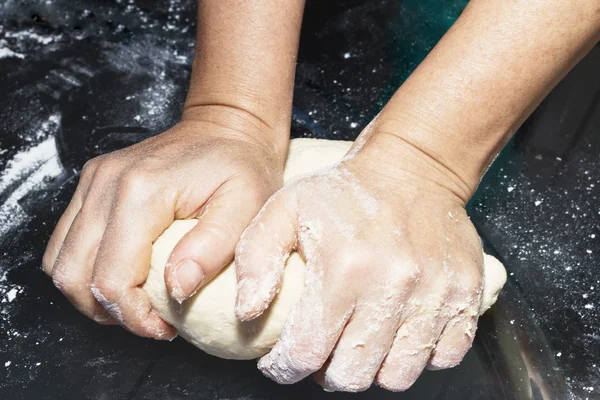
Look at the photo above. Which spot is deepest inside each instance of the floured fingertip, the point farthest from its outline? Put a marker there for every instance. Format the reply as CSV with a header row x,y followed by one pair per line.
x,y
254,297
157,328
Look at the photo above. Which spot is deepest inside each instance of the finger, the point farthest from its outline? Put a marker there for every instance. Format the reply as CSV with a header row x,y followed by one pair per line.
x,y
411,350
455,342
363,345
308,336
261,255
72,272
123,260
64,223
209,246
457,336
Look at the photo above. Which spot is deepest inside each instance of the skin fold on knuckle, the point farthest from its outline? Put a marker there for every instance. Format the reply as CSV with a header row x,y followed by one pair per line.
x,y
469,279
133,313
351,263
103,171
106,293
136,186
61,278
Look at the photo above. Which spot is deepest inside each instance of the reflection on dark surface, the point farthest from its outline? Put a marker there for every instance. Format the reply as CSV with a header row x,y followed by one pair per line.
x,y
93,76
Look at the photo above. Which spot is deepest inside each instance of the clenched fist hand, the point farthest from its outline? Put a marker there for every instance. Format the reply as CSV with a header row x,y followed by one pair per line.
x,y
219,167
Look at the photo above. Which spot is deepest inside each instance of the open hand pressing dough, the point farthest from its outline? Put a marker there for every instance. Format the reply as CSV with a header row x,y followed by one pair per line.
x,y
207,320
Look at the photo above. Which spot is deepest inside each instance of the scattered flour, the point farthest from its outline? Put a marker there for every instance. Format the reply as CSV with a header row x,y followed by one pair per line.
x,y
31,35
5,52
11,294
28,169
8,293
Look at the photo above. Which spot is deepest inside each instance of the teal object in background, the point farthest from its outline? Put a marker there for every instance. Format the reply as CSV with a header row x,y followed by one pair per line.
x,y
418,28
422,25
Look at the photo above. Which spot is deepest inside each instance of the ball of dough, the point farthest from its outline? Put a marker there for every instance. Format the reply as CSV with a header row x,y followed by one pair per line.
x,y
494,276
208,321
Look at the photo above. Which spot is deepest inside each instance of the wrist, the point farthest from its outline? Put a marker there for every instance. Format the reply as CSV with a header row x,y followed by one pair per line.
x,y
242,124
400,146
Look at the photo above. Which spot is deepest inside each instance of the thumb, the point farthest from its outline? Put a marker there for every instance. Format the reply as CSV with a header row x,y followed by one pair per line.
x,y
209,247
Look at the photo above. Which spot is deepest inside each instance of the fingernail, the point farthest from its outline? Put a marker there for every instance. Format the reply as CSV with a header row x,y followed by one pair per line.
x,y
188,277
104,319
170,336
100,318
246,307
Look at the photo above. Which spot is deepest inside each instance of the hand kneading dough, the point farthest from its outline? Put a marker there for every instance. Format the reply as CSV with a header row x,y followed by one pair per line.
x,y
207,320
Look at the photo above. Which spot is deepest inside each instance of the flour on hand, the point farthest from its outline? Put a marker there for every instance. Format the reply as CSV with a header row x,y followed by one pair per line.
x,y
208,321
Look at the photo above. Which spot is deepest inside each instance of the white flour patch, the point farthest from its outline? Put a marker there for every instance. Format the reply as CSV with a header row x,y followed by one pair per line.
x,y
5,52
28,169
31,35
10,296
8,293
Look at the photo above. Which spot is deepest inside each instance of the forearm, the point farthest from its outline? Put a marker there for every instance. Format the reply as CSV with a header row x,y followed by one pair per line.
x,y
245,60
485,77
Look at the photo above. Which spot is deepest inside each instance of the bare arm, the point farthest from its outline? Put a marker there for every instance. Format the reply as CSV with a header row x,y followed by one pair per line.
x,y
221,163
401,194
485,77
246,58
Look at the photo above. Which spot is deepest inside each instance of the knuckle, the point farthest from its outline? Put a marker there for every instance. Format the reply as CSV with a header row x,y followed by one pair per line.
x,y
103,169
103,290
352,262
135,183
109,297
412,272
64,282
468,281
406,271
440,285
86,218
89,168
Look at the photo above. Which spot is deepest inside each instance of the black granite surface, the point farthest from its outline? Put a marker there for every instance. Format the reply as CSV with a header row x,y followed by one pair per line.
x,y
80,78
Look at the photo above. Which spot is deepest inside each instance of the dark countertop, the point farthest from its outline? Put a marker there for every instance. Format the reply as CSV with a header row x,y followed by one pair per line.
x,y
80,78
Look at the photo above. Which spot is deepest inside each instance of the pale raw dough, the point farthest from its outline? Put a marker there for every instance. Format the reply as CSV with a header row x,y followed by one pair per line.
x,y
207,320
